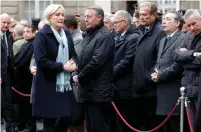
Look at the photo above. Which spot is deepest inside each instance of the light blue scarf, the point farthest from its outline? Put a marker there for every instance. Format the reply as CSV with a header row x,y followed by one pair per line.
x,y
63,78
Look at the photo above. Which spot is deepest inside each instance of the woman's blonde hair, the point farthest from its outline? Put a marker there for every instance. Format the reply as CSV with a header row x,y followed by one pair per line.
x,y
51,9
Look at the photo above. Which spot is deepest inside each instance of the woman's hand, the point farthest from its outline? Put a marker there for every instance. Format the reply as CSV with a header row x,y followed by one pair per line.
x,y
33,70
70,66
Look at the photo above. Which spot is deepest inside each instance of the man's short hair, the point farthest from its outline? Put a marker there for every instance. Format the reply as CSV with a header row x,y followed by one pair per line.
x,y
19,29
192,12
124,15
108,17
33,29
152,7
98,11
70,20
177,17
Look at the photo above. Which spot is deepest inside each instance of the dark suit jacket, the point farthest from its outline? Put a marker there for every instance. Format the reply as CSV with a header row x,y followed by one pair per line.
x,y
46,101
23,75
125,47
7,69
168,89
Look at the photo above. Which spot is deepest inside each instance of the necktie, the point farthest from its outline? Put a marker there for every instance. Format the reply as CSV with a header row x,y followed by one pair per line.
x,y
4,43
167,40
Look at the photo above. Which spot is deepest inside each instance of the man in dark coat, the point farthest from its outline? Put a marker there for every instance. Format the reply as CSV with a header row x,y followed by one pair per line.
x,y
168,73
24,81
188,54
95,71
144,89
7,71
125,47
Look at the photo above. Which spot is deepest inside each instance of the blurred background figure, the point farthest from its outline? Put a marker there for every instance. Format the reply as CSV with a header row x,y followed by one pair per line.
x,y
13,23
136,19
71,23
18,38
24,22
24,81
40,25
109,23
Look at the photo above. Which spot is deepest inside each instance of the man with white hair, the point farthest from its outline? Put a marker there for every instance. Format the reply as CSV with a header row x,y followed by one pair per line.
x,y
18,38
24,22
189,54
108,22
7,70
125,47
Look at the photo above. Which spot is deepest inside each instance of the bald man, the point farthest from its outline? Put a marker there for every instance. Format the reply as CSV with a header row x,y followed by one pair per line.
x,y
7,70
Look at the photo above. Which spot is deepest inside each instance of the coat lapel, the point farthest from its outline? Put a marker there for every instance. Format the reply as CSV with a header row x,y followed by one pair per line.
x,y
171,41
162,44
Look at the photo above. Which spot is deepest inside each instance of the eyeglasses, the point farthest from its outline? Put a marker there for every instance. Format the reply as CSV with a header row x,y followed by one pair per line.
x,y
118,21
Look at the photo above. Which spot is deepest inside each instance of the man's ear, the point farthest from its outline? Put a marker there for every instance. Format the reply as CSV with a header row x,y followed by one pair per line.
x,y
100,18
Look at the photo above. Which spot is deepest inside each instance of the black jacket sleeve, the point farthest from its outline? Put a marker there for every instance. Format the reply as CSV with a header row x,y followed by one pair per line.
x,y
24,55
104,48
182,56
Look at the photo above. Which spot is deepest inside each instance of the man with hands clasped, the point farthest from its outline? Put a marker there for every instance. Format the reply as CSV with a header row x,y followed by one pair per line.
x,y
167,73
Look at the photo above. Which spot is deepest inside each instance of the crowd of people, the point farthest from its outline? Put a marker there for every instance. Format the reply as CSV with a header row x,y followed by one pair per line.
x,y
73,69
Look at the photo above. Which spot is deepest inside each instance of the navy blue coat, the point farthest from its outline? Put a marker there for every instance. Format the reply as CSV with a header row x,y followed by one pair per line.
x,y
46,101
125,47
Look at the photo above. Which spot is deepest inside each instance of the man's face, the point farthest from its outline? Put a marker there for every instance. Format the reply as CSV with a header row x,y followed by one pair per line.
x,y
119,24
194,24
91,19
5,23
169,24
136,21
146,19
28,34
185,28
108,24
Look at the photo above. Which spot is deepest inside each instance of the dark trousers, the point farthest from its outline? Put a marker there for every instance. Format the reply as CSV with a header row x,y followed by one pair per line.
x,y
56,125
8,111
25,118
126,108
144,113
173,125
98,117
198,115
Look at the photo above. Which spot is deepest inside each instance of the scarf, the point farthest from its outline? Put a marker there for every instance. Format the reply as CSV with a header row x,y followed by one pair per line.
x,y
63,78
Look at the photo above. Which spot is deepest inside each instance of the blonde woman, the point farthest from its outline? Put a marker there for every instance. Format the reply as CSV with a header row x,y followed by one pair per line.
x,y
55,58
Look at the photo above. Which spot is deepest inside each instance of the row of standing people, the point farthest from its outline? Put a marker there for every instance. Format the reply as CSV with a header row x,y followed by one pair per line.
x,y
139,61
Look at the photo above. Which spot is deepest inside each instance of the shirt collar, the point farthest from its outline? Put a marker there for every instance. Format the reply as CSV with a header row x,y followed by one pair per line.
x,y
2,33
172,33
123,33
